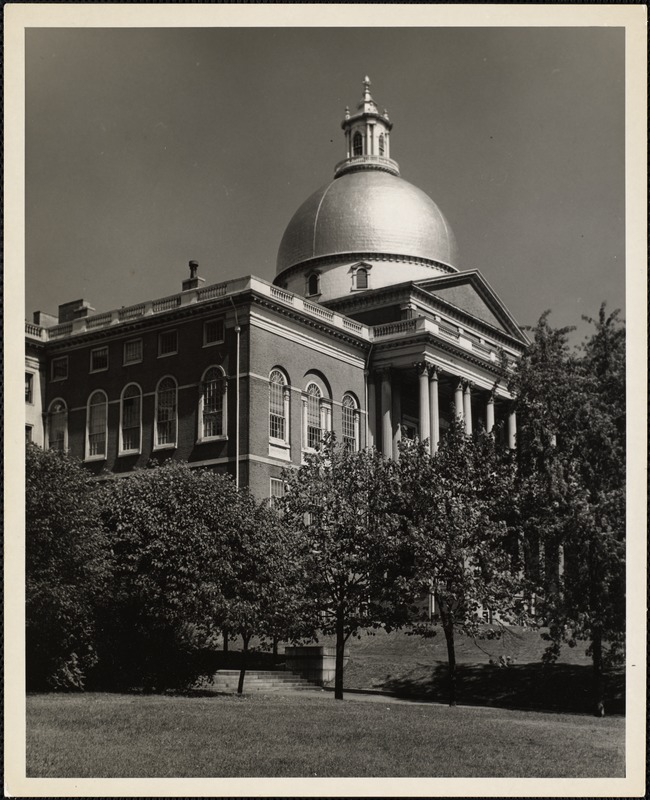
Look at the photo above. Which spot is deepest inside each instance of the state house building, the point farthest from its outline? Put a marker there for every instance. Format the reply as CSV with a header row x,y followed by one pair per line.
x,y
369,329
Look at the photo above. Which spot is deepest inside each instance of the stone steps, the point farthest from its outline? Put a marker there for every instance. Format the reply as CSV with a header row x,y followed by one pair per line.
x,y
227,681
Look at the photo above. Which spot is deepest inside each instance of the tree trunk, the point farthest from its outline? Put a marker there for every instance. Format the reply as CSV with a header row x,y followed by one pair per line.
x,y
340,652
225,640
447,618
244,658
597,658
275,650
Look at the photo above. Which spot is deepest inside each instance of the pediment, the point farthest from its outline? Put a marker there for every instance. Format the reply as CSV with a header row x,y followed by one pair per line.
x,y
470,292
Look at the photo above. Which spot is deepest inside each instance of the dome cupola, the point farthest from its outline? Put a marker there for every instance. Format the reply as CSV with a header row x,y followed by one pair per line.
x,y
367,218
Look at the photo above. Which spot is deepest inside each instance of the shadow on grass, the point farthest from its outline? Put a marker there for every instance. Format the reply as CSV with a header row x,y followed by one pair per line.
x,y
559,688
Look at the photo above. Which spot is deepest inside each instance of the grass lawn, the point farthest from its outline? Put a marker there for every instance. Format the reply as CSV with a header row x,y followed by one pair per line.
x,y
112,735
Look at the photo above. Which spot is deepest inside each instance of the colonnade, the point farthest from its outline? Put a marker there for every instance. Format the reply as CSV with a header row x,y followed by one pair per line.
x,y
429,409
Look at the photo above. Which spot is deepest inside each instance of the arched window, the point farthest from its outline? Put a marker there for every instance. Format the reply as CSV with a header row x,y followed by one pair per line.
x,y
166,413
57,426
350,422
314,427
313,284
212,411
382,148
362,278
317,416
97,419
130,420
357,144
278,407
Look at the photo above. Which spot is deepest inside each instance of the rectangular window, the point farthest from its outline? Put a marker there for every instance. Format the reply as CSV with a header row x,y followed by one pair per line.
x,y
99,359
167,343
277,491
28,432
133,351
29,387
59,368
213,332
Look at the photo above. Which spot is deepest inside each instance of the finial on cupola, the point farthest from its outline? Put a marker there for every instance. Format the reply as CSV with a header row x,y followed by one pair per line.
x,y
347,112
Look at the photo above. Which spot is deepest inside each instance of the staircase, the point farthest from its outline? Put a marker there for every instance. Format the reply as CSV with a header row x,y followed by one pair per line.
x,y
259,681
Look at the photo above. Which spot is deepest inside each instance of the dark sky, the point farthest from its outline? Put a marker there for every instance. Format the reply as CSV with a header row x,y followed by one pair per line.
x,y
149,147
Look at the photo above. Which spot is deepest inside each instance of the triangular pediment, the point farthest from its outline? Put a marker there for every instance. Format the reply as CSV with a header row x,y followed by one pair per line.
x,y
471,293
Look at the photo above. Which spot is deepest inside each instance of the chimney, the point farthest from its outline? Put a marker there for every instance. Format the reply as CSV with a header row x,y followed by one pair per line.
x,y
193,282
45,320
75,309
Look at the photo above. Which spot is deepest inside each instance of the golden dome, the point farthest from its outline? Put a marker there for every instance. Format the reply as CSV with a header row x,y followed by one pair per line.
x,y
365,212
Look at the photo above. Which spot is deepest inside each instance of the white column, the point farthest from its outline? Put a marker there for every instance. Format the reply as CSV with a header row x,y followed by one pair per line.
x,y
489,413
512,430
397,418
304,423
372,412
458,401
425,411
386,414
467,406
434,409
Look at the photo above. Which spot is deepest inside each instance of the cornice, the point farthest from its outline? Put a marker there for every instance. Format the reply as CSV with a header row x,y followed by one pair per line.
x,y
309,321
448,347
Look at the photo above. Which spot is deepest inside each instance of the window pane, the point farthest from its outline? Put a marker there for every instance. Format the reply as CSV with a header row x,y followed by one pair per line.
x,y
213,404
213,331
349,432
314,433
166,418
362,279
29,387
133,351
276,406
131,419
99,359
357,144
56,426
167,343
60,368
97,425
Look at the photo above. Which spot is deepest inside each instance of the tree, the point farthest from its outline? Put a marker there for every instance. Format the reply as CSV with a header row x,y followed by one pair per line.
x,y
67,569
262,595
571,453
340,505
172,530
456,506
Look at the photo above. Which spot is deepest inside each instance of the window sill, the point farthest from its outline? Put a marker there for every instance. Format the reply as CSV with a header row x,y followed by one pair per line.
x,y
166,355
94,371
164,447
130,363
212,344
123,453
282,443
223,437
94,458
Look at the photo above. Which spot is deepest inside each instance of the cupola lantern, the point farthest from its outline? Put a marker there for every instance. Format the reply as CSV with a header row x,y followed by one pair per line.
x,y
367,137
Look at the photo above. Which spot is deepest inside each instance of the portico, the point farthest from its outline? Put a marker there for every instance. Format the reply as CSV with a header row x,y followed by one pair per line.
x,y
425,395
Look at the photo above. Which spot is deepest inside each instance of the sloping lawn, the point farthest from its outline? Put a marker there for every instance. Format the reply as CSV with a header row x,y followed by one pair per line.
x,y
110,736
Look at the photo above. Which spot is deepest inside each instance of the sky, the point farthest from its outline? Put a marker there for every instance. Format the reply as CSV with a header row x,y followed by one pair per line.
x,y
146,148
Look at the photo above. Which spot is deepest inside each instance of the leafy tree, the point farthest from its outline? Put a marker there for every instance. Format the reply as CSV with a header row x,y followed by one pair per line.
x,y
172,530
67,568
571,453
456,505
262,596
340,505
